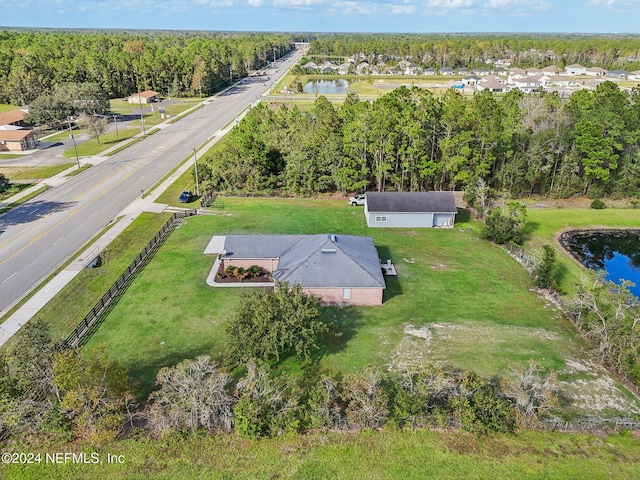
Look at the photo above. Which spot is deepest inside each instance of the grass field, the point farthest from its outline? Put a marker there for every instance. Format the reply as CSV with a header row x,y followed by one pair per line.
x,y
4,107
472,300
34,173
544,225
92,147
402,455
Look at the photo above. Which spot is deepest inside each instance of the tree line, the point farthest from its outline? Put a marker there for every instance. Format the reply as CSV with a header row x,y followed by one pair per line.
x,y
412,140
186,63
457,51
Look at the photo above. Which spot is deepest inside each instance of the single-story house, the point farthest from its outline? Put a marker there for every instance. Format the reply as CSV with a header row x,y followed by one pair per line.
x,y
13,117
340,269
575,69
471,80
147,96
550,70
528,84
429,71
635,75
620,74
493,86
447,71
410,209
17,139
596,72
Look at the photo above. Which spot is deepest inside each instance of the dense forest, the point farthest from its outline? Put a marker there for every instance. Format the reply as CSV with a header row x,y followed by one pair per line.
x,y
412,140
188,63
456,51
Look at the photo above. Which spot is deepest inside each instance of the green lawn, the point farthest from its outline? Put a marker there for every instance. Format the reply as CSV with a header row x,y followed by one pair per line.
x,y
402,455
471,296
75,300
4,107
92,147
151,118
544,225
34,173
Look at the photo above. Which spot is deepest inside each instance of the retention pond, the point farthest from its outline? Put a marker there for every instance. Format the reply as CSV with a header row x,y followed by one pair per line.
x,y
617,252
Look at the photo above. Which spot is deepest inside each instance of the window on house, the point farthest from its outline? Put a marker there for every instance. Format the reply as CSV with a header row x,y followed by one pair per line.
x,y
381,218
346,293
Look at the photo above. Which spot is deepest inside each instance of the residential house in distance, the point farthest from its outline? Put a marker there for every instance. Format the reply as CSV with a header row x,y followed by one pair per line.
x,y
429,71
328,67
14,117
575,69
635,75
618,74
410,209
470,80
340,269
527,84
17,139
447,71
595,72
550,70
343,69
493,86
148,96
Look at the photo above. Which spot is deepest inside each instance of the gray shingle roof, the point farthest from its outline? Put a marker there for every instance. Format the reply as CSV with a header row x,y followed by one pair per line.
x,y
414,202
329,261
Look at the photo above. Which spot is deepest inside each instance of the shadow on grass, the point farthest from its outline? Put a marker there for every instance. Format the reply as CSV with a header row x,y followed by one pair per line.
x,y
143,375
463,215
346,322
393,287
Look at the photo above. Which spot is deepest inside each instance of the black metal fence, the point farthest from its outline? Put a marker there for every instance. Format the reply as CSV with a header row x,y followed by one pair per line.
x,y
96,315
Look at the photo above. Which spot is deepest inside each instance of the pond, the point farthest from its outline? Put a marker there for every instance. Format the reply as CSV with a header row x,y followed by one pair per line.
x,y
617,252
326,87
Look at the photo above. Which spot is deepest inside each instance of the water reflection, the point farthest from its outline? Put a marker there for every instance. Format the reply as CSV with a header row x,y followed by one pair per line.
x,y
326,87
617,252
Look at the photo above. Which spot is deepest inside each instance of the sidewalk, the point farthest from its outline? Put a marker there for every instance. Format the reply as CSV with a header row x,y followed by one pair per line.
x,y
128,215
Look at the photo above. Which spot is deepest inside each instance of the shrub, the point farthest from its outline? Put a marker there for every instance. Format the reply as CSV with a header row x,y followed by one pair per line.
x,y
598,204
506,225
544,275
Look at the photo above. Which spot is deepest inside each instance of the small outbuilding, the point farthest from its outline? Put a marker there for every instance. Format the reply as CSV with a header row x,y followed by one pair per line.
x,y
148,96
410,209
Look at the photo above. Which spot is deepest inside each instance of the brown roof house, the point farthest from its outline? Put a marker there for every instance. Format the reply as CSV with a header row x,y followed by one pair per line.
x,y
16,139
340,269
148,96
13,117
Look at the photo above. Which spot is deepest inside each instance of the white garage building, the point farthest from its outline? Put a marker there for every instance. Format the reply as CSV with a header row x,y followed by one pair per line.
x,y
410,209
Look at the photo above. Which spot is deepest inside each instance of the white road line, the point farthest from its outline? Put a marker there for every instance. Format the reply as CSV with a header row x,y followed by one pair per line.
x,y
9,277
57,241
119,194
33,211
94,176
141,177
93,214
67,191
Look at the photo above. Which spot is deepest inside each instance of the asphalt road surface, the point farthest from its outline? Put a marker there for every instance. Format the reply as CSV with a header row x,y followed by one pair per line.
x,y
40,235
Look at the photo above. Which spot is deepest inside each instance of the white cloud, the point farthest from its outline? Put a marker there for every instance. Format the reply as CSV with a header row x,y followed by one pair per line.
x,y
354,8
404,9
255,3
296,3
450,3
616,4
518,6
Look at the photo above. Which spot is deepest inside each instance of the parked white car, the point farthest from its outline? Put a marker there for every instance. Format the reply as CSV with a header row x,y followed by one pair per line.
x,y
357,200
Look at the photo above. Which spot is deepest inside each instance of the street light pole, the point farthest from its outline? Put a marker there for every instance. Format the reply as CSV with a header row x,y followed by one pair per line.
x,y
195,164
169,93
115,119
75,149
141,116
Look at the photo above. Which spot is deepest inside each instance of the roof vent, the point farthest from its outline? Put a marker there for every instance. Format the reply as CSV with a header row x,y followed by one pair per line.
x,y
333,238
328,250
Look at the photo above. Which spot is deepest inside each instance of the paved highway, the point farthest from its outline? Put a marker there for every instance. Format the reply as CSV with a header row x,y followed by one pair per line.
x,y
40,235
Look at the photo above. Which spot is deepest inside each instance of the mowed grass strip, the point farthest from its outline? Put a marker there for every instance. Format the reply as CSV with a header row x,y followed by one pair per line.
x,y
34,173
402,455
75,300
445,277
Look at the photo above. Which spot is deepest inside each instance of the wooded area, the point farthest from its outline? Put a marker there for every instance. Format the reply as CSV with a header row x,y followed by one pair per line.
x,y
412,140
456,51
187,63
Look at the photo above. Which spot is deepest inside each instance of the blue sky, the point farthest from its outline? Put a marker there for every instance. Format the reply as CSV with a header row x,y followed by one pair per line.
x,y
574,16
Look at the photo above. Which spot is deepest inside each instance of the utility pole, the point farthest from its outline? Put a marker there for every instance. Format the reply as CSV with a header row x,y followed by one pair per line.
x,y
169,93
115,119
195,164
75,149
